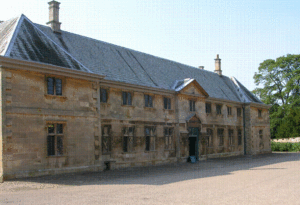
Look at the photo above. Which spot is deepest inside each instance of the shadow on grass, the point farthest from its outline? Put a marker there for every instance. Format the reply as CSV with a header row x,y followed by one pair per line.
x,y
171,173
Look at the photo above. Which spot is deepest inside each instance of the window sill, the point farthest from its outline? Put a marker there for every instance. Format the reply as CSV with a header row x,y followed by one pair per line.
x,y
150,151
169,150
132,106
149,108
55,96
56,156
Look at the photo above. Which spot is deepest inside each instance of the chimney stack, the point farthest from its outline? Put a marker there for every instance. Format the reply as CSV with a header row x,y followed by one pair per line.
x,y
201,67
54,16
218,65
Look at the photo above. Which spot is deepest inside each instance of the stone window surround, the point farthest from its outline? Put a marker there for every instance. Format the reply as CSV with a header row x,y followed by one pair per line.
x,y
56,135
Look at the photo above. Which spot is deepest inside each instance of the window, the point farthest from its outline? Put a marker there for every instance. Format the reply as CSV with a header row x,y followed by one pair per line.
x,y
260,134
167,103
55,140
239,137
106,141
192,105
128,139
103,95
150,138
126,98
208,108
168,133
221,137
148,101
229,110
259,114
54,86
210,137
239,112
219,109
230,137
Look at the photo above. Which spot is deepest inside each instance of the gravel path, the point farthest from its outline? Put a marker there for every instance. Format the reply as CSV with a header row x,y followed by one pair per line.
x,y
264,179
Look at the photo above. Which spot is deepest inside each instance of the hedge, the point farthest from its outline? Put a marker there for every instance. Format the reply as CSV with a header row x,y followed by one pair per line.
x,y
290,147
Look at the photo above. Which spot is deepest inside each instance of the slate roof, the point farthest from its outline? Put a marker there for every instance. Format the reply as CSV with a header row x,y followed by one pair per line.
x,y
34,42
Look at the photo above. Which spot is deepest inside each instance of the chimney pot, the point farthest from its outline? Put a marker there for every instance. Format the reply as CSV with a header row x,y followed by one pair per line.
x,y
54,16
201,67
218,66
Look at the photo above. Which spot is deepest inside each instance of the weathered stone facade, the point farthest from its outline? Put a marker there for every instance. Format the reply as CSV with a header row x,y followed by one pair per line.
x,y
70,103
27,109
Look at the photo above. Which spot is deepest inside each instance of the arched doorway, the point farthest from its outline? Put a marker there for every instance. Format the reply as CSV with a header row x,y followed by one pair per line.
x,y
194,128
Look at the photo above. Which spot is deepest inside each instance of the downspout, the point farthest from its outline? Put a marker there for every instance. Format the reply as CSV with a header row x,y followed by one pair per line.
x,y
244,127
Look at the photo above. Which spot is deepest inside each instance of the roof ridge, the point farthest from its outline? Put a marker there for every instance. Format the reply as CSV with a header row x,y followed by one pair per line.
x,y
33,24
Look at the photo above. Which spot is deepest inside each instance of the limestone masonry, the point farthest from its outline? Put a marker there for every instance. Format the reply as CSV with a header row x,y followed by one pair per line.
x,y
71,103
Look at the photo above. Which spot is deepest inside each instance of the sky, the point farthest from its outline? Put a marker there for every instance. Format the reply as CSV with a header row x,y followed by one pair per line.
x,y
243,32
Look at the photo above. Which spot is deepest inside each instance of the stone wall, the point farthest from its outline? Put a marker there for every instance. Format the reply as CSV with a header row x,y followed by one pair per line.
x,y
29,110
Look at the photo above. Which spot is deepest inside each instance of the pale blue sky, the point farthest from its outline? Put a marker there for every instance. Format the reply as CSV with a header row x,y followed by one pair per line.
x,y
192,32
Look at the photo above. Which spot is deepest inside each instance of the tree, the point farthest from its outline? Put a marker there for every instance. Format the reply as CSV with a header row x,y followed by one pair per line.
x,y
279,82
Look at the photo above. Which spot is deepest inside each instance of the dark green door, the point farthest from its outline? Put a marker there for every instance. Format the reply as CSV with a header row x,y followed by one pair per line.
x,y
193,141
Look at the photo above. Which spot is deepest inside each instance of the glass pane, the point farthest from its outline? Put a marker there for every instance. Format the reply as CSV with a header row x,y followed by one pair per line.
x,y
59,145
147,130
50,146
125,141
103,95
152,143
124,94
147,143
150,101
50,86
51,128
129,98
170,131
165,103
146,100
169,103
59,128
58,86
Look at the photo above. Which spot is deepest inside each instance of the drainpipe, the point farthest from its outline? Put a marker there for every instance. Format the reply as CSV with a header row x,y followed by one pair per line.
x,y
244,128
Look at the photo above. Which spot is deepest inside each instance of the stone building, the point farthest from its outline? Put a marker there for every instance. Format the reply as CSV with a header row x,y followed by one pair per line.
x,y
71,103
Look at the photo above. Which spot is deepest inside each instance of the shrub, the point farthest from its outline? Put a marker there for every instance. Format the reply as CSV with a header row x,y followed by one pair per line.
x,y
282,147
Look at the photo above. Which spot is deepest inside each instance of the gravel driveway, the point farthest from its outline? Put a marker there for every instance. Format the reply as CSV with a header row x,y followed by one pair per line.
x,y
265,179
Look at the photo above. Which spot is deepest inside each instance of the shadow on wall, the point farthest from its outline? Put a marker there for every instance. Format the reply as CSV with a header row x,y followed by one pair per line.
x,y
171,173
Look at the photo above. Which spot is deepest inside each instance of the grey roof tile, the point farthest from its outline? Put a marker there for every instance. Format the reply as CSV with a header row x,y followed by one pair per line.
x,y
39,43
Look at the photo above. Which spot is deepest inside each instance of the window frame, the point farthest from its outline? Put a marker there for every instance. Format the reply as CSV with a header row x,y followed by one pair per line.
x,y
128,145
55,86
192,105
148,100
103,92
219,109
239,112
240,137
207,108
220,134
229,111
231,137
259,113
167,103
169,138
150,139
126,98
57,150
210,133
106,137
